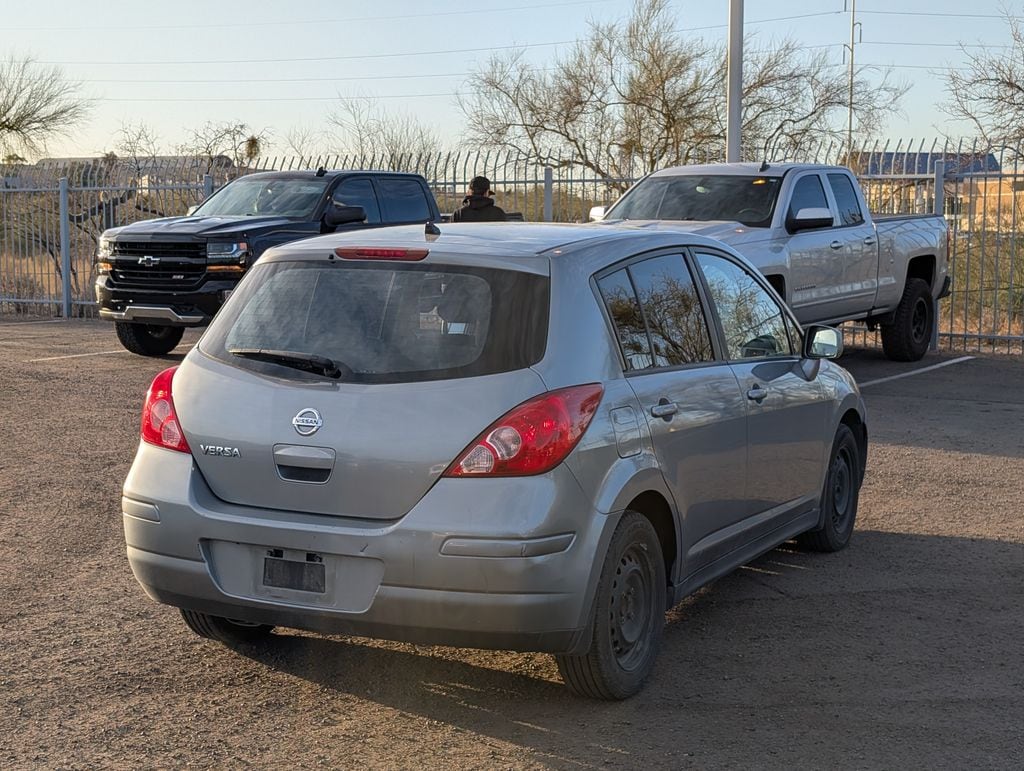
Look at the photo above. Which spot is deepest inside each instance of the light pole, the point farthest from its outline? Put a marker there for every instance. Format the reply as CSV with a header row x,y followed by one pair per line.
x,y
734,93
854,24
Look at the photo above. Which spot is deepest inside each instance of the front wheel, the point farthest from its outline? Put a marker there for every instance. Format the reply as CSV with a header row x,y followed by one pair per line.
x,y
225,630
148,339
627,618
909,335
839,497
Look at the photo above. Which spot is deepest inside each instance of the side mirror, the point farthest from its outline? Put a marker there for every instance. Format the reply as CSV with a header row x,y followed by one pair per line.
x,y
810,219
597,213
191,210
342,215
822,342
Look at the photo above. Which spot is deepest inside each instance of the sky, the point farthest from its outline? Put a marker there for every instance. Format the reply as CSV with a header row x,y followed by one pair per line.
x,y
275,66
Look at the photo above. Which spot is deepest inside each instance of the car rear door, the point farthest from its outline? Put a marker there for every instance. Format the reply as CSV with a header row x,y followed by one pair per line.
x,y
690,399
403,200
787,409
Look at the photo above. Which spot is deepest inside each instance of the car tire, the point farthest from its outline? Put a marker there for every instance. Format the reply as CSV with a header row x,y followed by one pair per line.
x,y
627,616
148,339
225,630
839,497
910,334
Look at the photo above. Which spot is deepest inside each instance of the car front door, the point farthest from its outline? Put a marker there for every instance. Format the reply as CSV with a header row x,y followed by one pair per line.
x,y
858,284
787,409
815,264
690,398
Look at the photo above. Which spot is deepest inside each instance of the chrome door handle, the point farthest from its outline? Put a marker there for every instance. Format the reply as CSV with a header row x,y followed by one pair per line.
x,y
757,394
664,409
836,245
869,241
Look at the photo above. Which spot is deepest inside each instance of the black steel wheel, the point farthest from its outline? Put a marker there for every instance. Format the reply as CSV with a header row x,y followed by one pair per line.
x,y
907,338
839,497
627,616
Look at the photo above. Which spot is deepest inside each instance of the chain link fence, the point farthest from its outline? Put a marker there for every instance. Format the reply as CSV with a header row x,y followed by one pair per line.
x,y
52,215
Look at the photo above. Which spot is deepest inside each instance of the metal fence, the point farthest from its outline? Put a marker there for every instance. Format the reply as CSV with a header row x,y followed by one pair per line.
x,y
52,214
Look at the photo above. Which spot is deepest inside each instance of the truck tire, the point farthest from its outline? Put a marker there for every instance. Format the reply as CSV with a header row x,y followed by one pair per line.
x,y
627,616
839,496
224,630
148,339
907,338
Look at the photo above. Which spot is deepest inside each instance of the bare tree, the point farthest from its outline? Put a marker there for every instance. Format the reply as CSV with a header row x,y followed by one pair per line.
x,y
397,140
637,93
36,104
304,140
232,140
988,92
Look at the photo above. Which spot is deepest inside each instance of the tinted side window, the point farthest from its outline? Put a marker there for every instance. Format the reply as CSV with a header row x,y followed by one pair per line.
x,y
672,310
807,194
752,321
404,199
617,291
358,191
846,199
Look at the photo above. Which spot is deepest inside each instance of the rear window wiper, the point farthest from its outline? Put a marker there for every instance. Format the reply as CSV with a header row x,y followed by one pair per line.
x,y
308,362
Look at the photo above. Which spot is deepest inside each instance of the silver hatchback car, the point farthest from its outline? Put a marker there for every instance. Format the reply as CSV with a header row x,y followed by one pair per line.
x,y
530,437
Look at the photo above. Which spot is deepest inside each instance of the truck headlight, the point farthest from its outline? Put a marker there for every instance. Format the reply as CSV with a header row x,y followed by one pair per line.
x,y
226,256
105,250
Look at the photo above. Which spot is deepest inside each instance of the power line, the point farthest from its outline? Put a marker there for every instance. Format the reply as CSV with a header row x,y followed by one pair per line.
x,y
399,54
941,14
491,9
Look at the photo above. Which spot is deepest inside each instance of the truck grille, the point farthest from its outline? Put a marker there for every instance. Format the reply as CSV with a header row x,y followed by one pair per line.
x,y
158,265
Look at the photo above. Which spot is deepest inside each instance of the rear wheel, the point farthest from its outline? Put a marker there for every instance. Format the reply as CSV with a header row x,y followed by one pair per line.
x,y
627,619
225,630
908,337
840,496
148,339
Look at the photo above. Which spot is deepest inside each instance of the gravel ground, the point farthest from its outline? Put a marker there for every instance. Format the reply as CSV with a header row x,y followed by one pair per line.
x,y
902,651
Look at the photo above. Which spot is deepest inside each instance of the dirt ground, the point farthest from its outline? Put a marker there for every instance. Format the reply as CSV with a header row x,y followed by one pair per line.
x,y
904,651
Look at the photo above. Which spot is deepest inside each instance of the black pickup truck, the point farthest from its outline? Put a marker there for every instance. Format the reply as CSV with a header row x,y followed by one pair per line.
x,y
156,277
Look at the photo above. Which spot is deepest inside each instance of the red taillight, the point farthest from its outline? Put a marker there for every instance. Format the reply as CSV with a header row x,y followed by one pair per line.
x,y
366,253
533,438
159,420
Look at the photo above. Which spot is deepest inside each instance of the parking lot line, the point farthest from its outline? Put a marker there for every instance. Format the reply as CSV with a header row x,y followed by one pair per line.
x,y
914,372
25,323
75,356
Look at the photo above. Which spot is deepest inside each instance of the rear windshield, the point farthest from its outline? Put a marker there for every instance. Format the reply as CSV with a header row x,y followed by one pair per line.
x,y
383,322
750,200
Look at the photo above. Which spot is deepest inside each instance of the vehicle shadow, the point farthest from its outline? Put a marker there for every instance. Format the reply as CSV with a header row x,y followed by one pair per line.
x,y
861,654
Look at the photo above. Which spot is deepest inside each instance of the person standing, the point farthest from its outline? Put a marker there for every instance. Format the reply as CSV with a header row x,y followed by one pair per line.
x,y
478,205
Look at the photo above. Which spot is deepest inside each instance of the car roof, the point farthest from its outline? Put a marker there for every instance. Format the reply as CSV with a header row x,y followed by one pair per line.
x,y
738,169
328,173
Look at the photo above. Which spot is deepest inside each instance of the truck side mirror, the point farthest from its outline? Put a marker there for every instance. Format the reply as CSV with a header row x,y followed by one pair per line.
x,y
597,213
342,215
810,219
822,343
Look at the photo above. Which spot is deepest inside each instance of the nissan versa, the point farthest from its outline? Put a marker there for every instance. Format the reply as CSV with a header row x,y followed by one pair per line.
x,y
504,436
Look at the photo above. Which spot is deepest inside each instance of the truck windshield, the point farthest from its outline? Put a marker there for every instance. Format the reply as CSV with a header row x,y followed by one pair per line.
x,y
749,200
276,196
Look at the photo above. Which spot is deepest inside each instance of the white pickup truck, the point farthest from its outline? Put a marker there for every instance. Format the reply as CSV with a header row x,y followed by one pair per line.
x,y
807,229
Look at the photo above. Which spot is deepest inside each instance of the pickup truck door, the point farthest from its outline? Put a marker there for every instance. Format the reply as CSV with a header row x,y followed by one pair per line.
x,y
815,264
787,409
858,282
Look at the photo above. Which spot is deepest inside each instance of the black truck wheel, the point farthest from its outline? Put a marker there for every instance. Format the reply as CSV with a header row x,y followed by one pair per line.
x,y
148,339
627,617
908,337
225,630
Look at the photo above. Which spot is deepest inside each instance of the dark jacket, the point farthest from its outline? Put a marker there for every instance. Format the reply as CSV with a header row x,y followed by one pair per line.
x,y
478,208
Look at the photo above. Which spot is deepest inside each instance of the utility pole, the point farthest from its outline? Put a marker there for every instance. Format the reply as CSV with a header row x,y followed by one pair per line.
x,y
854,25
734,93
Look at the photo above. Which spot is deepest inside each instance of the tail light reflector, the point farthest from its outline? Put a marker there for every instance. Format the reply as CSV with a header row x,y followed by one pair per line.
x,y
160,424
532,438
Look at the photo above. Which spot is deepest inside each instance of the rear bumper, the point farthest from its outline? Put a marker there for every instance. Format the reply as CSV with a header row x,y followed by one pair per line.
x,y
440,575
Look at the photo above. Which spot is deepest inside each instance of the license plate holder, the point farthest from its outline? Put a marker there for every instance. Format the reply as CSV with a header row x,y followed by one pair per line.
x,y
301,576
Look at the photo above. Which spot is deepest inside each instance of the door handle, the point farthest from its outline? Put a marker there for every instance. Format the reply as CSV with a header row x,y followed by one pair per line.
x,y
664,409
869,241
836,245
757,394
